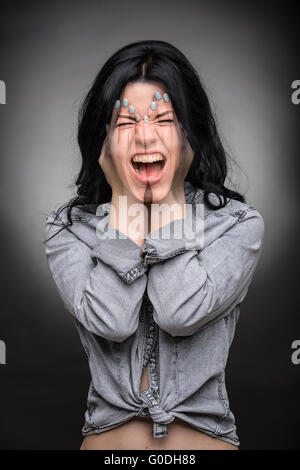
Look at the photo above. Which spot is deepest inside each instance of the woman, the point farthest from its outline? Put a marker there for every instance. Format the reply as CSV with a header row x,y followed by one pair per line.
x,y
156,314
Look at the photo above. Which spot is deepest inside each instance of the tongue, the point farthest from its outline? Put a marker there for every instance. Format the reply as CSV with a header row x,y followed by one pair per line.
x,y
150,170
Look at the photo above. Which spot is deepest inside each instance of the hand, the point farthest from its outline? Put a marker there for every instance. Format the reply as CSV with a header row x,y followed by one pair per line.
x,y
106,163
176,195
186,159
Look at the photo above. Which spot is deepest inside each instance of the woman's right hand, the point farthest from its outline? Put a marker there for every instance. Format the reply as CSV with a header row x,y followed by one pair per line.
x,y
106,163
108,168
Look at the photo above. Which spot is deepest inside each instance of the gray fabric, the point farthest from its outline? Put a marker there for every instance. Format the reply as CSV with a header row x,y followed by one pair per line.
x,y
117,292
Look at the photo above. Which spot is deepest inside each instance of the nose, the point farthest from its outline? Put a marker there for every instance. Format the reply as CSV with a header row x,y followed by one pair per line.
x,y
145,135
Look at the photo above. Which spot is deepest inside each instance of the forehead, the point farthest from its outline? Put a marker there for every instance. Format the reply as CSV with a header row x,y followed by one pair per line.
x,y
141,94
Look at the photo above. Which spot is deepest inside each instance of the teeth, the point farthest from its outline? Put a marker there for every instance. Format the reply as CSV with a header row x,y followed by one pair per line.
x,y
154,157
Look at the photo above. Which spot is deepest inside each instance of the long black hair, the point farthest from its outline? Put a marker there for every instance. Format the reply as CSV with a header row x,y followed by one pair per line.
x,y
150,61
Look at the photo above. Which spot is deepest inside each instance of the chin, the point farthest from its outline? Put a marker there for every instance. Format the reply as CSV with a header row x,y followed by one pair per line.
x,y
158,193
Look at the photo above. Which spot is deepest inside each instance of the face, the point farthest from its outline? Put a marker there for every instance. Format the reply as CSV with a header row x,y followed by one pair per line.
x,y
149,151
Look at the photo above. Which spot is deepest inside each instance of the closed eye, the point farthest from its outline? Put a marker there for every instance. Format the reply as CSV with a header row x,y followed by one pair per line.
x,y
131,123
166,120
124,124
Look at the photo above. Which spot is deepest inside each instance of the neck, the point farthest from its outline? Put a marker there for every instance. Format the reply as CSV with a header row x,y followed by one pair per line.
x,y
156,214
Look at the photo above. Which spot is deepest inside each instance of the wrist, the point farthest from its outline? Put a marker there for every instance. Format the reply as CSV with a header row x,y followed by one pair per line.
x,y
120,218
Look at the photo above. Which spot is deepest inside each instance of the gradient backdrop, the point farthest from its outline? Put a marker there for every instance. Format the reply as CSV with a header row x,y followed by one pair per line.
x,y
49,55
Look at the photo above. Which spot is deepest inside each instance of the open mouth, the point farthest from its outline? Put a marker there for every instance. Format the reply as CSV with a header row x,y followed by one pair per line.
x,y
148,166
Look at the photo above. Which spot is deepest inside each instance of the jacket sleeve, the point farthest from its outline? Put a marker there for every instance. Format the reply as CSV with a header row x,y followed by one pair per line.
x,y
192,288
102,287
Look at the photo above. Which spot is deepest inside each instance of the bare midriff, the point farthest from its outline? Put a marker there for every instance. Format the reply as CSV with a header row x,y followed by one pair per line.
x,y
136,434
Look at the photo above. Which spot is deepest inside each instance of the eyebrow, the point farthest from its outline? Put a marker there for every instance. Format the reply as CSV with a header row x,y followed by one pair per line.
x,y
133,118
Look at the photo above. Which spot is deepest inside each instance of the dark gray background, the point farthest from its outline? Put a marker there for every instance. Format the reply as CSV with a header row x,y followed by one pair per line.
x,y
49,55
